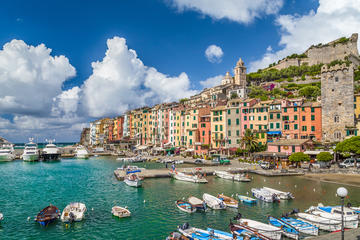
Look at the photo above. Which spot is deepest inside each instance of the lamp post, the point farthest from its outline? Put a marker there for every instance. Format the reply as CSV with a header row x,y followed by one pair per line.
x,y
342,193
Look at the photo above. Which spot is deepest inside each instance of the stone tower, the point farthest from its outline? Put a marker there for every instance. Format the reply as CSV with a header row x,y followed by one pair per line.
x,y
240,73
337,101
227,79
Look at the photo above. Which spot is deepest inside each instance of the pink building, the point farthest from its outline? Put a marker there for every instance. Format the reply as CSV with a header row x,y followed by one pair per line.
x,y
289,146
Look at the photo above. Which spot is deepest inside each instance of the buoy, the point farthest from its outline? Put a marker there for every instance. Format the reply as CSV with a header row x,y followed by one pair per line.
x,y
279,183
66,225
247,193
92,209
295,186
264,180
28,218
144,201
314,190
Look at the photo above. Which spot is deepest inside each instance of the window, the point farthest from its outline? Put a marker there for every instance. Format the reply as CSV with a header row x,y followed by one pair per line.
x,y
265,127
190,133
245,118
187,124
259,118
295,109
337,135
336,79
251,126
277,125
312,109
286,127
194,117
216,127
245,126
237,141
313,128
229,141
237,133
293,148
279,148
295,126
303,118
278,116
304,128
229,122
312,117
221,127
259,127
295,117
244,104
262,135
285,109
229,111
237,111
271,116
190,141
220,118
203,133
271,125
237,121
229,133
264,117
336,118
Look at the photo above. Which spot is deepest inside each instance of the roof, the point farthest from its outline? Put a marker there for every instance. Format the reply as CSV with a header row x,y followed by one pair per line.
x,y
222,107
311,104
289,142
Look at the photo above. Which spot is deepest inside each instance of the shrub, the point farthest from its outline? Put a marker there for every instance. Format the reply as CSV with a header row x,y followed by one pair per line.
x,y
324,157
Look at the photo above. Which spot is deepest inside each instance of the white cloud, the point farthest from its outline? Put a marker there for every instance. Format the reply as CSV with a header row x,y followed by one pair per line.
x,y
212,81
214,54
30,77
241,11
333,19
121,81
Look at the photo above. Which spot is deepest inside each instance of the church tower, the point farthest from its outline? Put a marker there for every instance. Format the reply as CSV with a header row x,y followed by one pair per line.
x,y
227,79
240,73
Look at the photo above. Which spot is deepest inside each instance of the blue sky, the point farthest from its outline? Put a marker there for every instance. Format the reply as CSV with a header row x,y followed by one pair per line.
x,y
169,36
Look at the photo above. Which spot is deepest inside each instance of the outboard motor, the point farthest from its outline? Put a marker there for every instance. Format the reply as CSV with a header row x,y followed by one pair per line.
x,y
238,216
349,205
71,217
185,226
204,206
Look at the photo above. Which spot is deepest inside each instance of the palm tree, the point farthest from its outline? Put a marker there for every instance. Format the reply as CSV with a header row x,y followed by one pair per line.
x,y
249,141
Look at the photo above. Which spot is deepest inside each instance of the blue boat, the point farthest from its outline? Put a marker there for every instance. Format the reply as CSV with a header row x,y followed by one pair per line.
x,y
246,199
229,236
301,226
47,215
288,230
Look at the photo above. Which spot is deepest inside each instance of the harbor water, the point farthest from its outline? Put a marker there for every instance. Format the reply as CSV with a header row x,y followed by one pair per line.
x,y
26,188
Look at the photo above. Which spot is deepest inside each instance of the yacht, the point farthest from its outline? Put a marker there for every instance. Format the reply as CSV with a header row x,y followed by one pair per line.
x,y
7,153
81,152
31,152
50,152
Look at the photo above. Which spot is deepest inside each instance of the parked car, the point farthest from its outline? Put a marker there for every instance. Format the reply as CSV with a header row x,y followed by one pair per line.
x,y
266,165
319,164
218,159
199,161
350,162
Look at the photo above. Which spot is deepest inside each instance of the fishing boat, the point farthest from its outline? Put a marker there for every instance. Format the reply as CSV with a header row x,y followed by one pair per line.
x,y
185,206
264,195
197,203
213,202
247,199
120,212
132,179
31,152
244,231
7,153
267,230
201,234
301,226
74,212
50,152
81,152
288,230
336,210
320,222
229,201
351,219
281,195
47,215
198,178
233,177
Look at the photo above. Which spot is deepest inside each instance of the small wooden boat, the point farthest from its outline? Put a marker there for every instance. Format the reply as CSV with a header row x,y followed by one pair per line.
x,y
301,226
197,203
233,177
320,222
197,178
201,234
229,201
74,212
247,199
213,202
48,215
281,195
288,230
185,206
264,195
267,230
120,212
243,230
132,179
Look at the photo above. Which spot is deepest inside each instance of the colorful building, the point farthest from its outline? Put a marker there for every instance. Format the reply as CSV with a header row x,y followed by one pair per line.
x,y
218,127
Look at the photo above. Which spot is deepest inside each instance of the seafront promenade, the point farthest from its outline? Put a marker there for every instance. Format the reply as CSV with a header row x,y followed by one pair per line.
x,y
352,234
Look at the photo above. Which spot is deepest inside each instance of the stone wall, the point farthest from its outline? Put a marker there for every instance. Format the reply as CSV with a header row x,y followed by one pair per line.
x,y
337,101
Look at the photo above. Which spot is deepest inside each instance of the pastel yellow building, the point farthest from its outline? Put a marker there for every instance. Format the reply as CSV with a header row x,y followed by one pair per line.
x,y
218,127
259,120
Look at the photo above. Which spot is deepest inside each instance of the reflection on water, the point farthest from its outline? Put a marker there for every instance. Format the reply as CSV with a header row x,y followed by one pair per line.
x,y
26,188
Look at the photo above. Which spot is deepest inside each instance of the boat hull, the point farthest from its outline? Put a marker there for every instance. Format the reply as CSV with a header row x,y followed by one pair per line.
x,y
82,156
51,156
301,226
213,202
188,178
185,206
321,223
30,157
267,230
232,177
131,183
246,199
286,229
7,158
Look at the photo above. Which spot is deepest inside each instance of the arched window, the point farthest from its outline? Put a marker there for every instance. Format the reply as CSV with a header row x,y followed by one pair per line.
x,y
337,135
336,118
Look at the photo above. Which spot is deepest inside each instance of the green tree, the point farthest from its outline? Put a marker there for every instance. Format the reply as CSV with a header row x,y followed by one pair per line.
x,y
234,95
249,141
324,157
183,100
298,157
310,92
350,146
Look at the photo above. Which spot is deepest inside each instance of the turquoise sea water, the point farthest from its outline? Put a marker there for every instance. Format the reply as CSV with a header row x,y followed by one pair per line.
x,y
26,188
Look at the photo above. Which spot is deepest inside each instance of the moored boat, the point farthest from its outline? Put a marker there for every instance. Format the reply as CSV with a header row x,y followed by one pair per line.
x,y
262,228
132,179
74,212
320,222
185,206
281,195
242,230
7,153
120,212
197,203
233,177
247,199
201,234
288,230
229,201
213,202
1,217
47,215
301,226
197,178
81,152
264,195
50,152
31,152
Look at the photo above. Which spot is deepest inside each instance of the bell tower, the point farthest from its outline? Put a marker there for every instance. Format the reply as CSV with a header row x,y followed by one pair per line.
x,y
240,73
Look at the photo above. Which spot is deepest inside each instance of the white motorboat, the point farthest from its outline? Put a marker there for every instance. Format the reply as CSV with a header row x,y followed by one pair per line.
x,y
31,152
213,202
185,206
189,177
264,195
133,180
50,152
197,203
197,233
1,217
262,228
74,212
320,222
7,153
281,195
81,152
233,177
120,212
332,213
229,201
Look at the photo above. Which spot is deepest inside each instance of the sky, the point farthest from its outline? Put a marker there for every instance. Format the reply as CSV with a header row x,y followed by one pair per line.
x,y
66,63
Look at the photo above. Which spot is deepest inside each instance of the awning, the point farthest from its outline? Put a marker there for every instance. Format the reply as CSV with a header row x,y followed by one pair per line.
x,y
316,152
189,150
274,132
142,147
158,149
168,144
